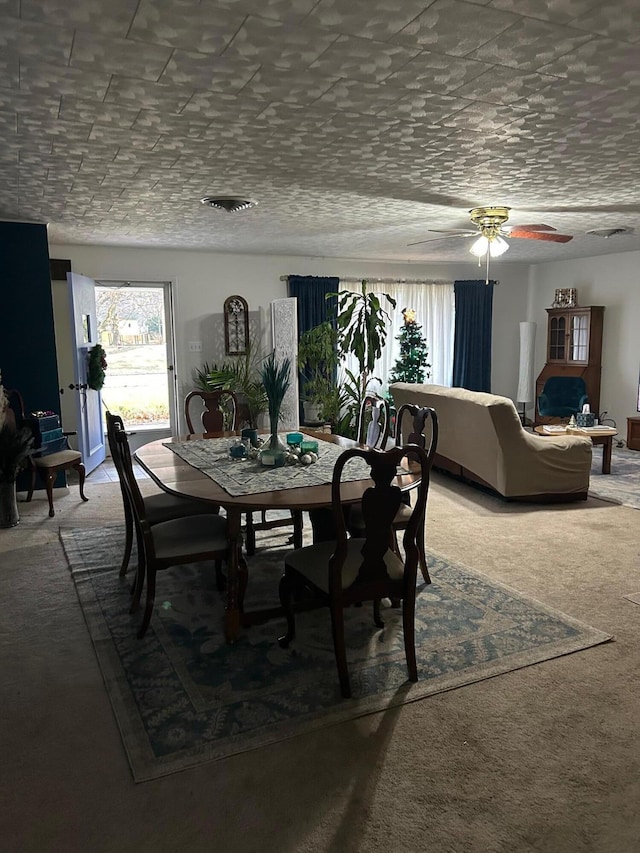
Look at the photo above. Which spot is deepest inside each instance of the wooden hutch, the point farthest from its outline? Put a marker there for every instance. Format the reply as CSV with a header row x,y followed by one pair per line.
x,y
574,348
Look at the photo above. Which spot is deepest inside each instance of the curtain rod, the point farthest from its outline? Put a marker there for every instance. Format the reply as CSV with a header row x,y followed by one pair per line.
x,y
352,279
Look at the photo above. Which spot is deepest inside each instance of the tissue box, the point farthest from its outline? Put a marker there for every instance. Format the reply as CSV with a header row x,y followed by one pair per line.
x,y
585,419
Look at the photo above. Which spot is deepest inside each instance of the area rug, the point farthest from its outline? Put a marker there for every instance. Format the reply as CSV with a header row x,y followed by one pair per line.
x,y
181,696
622,485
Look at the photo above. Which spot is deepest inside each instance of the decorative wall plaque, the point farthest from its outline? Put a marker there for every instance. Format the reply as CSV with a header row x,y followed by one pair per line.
x,y
566,297
236,325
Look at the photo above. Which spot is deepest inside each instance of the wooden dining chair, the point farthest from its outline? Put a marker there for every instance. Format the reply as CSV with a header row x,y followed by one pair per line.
x,y
48,464
426,437
189,539
349,571
374,422
214,420
159,507
218,411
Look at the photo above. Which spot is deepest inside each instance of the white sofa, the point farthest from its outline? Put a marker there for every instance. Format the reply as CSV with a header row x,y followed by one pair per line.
x,y
481,439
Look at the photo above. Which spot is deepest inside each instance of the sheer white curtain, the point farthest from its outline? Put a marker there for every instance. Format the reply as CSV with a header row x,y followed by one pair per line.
x,y
434,305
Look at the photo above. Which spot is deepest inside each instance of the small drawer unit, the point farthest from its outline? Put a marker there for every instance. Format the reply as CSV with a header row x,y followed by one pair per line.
x,y
633,433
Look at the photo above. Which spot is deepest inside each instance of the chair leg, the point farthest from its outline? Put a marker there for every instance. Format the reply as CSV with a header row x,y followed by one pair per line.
x,y
148,609
128,539
79,466
221,581
250,536
337,630
376,613
296,514
422,556
32,484
285,590
243,579
49,480
409,632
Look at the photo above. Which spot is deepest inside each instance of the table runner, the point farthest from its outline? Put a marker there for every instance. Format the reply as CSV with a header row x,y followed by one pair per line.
x,y
250,477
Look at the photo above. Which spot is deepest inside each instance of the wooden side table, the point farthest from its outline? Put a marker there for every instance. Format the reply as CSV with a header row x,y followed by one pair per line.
x,y
605,438
633,433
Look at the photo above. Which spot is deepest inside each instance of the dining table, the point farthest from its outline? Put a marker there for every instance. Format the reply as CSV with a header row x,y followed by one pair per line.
x,y
165,461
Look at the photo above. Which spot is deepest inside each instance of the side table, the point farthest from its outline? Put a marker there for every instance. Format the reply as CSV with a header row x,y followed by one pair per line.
x,y
633,433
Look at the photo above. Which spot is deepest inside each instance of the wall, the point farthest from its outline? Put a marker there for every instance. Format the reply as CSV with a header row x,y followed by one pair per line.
x,y
612,281
203,280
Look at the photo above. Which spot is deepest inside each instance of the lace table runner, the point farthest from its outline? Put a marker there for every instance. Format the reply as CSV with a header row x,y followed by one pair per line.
x,y
250,477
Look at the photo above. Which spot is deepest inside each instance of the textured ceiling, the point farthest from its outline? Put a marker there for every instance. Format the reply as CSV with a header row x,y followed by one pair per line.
x,y
356,124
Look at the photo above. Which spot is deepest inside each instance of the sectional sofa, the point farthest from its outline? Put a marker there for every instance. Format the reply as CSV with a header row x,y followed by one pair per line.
x,y
481,439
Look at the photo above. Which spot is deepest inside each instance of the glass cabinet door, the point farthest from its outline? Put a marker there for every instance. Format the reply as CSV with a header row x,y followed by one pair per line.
x,y
557,338
579,338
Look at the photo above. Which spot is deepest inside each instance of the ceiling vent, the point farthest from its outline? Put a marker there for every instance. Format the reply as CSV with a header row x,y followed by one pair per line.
x,y
609,232
228,203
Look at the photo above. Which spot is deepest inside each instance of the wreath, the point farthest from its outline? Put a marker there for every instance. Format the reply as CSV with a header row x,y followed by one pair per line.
x,y
96,367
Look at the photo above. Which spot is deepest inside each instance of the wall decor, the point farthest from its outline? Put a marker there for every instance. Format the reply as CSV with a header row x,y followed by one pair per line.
x,y
566,297
236,325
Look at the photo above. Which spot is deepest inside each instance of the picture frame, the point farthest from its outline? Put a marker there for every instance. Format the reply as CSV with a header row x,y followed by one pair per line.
x,y
236,325
566,297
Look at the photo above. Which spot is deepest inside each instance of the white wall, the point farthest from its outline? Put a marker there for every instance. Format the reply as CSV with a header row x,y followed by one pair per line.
x,y
203,280
612,281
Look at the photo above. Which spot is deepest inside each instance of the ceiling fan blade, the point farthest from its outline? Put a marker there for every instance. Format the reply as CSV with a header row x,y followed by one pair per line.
x,y
529,228
460,232
539,235
446,236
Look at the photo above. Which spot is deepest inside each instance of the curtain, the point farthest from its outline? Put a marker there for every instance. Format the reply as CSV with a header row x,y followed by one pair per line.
x,y
472,339
311,292
434,307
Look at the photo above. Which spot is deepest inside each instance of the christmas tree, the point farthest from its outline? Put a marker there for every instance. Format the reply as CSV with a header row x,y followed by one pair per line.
x,y
412,366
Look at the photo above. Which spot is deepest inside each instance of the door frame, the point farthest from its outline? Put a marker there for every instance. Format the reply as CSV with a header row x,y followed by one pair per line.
x,y
138,437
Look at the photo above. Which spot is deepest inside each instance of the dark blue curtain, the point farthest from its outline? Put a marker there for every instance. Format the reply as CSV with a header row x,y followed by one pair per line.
x,y
472,336
313,306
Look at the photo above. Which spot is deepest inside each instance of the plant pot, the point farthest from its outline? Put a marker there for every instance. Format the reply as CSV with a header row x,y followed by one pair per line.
x,y
9,515
311,412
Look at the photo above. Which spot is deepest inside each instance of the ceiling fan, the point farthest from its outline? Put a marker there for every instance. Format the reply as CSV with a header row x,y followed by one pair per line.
x,y
490,231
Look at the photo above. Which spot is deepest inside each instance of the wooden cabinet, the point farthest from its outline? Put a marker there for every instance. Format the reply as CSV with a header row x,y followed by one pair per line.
x,y
574,348
633,433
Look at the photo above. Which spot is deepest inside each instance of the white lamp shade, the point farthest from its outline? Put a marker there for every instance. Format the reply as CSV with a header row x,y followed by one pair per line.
x,y
527,353
479,247
497,246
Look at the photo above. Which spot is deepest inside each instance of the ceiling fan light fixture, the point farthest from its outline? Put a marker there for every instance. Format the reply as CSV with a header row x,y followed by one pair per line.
x,y
479,247
230,204
498,246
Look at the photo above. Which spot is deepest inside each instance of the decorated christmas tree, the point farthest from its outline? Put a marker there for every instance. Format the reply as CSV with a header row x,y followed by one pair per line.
x,y
412,366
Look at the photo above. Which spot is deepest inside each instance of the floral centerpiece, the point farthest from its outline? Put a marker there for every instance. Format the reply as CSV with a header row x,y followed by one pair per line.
x,y
15,449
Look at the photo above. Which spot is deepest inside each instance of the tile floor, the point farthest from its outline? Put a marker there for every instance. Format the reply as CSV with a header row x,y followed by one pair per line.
x,y
106,473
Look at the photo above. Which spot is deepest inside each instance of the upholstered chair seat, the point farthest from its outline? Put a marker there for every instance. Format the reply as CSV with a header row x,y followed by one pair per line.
x,y
313,560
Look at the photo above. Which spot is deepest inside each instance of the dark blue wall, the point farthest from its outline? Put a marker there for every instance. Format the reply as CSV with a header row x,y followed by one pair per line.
x,y
27,337
28,358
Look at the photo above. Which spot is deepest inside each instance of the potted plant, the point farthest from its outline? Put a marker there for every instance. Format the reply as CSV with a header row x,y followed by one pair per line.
x,y
362,332
240,374
15,449
276,379
322,397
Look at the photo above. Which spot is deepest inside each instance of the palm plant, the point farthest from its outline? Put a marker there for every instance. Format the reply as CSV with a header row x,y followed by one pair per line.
x,y
276,379
240,374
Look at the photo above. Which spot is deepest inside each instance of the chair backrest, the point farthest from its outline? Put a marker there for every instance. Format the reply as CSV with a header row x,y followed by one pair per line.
x,y
565,389
220,411
379,506
418,432
374,422
121,453
115,424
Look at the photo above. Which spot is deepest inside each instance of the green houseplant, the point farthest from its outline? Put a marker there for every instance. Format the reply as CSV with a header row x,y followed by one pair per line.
x,y
362,332
318,362
276,379
16,445
240,374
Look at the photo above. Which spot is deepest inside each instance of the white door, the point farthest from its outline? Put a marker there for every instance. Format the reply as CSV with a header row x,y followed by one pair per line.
x,y
88,402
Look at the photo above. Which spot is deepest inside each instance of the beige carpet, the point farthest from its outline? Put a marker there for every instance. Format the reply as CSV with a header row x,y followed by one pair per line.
x,y
545,758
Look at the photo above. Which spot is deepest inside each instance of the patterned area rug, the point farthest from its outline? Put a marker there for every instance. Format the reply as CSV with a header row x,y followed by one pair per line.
x,y
181,696
622,485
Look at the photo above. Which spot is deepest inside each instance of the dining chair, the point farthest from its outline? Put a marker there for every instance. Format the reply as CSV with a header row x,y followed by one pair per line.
x,y
48,464
159,507
188,539
220,411
349,571
419,434
374,422
212,420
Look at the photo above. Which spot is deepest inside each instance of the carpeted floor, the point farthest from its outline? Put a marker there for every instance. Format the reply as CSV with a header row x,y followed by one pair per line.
x,y
622,485
183,696
544,759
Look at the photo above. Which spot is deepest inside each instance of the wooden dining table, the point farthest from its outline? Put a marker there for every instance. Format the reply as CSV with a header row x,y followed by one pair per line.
x,y
177,477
